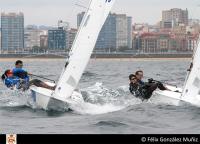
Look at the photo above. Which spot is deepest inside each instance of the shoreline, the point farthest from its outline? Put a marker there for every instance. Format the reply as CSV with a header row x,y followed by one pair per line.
x,y
101,59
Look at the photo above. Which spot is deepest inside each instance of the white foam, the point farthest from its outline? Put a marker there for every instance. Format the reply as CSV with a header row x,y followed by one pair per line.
x,y
102,100
95,109
13,98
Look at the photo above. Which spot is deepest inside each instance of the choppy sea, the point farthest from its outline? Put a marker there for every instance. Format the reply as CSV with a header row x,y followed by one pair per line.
x,y
109,108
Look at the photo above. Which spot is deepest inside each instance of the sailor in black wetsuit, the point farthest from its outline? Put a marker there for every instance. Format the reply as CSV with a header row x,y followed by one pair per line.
x,y
143,90
135,88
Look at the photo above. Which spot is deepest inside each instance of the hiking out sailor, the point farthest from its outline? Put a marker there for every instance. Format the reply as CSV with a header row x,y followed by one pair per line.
x,y
21,73
12,82
141,89
139,75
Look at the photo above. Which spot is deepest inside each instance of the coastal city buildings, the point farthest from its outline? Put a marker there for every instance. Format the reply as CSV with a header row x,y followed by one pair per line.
x,y
116,34
12,32
178,40
176,33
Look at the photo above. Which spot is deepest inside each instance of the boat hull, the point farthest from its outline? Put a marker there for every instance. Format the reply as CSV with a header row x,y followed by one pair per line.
x,y
43,99
175,98
169,97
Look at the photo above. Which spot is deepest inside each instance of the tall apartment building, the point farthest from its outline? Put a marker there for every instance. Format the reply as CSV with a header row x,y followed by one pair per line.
x,y
12,32
174,17
116,33
32,37
57,40
107,36
44,42
130,32
121,31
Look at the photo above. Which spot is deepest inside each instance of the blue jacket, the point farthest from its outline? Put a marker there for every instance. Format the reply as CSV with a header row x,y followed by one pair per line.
x,y
12,81
21,73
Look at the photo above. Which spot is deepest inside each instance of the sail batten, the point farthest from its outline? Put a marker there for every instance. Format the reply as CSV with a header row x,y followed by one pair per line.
x,y
83,46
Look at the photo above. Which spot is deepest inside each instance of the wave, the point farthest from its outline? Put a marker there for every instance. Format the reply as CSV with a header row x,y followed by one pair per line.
x,y
110,123
12,98
16,99
98,100
89,74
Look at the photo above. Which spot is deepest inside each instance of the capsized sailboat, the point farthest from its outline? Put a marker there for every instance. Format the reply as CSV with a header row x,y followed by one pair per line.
x,y
80,54
191,90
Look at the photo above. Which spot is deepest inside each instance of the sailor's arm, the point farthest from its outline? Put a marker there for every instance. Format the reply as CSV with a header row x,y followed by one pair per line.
x,y
30,74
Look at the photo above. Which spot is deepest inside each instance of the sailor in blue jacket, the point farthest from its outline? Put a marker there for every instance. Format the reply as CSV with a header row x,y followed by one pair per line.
x,y
19,72
19,78
12,82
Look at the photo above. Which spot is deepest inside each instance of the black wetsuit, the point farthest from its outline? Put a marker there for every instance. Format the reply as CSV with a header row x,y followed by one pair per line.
x,y
137,90
145,90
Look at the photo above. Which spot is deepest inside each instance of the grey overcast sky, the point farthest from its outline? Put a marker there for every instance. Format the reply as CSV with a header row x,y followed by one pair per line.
x,y
48,12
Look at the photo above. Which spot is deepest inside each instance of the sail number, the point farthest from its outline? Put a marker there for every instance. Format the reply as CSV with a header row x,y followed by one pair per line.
x,y
108,1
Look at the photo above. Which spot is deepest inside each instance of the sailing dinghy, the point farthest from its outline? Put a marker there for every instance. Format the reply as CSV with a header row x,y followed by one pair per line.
x,y
80,54
191,91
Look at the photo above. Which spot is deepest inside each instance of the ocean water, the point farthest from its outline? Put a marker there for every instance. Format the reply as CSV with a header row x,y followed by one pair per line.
x,y
109,108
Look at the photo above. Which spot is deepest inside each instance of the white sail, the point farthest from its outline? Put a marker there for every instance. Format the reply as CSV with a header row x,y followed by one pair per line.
x,y
82,47
191,92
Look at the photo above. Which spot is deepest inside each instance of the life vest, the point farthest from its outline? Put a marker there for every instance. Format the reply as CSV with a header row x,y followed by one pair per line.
x,y
21,73
12,82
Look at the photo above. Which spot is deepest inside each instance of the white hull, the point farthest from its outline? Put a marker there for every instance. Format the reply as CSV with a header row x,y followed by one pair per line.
x,y
169,97
175,98
44,100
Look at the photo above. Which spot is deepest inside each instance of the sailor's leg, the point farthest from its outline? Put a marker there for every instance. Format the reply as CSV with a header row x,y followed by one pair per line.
x,y
40,83
152,87
150,90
